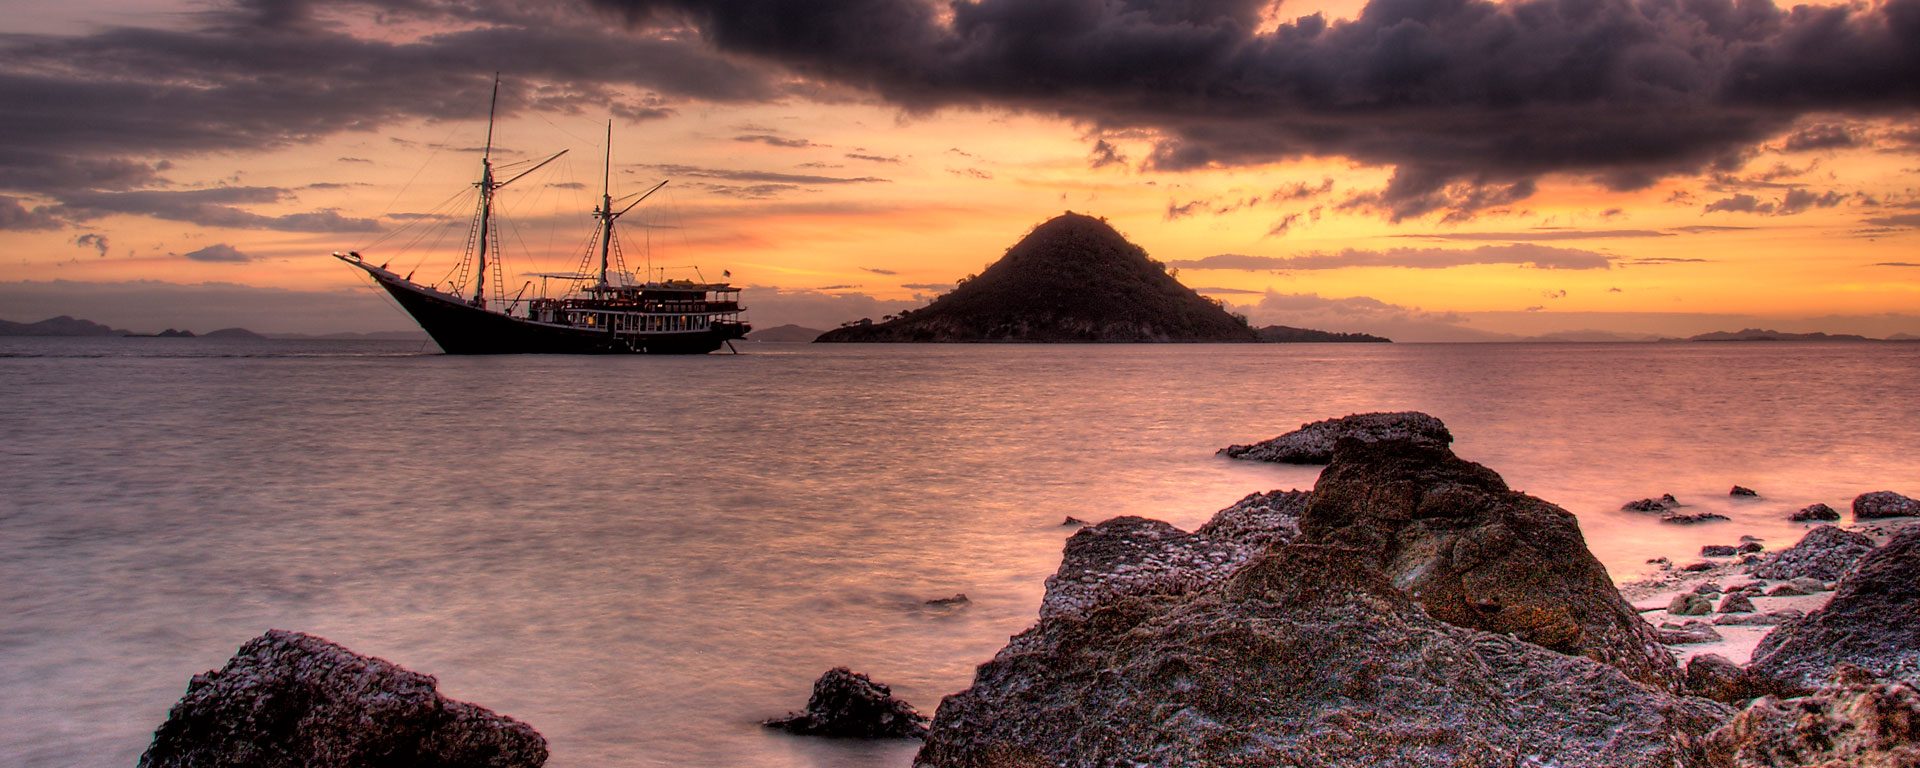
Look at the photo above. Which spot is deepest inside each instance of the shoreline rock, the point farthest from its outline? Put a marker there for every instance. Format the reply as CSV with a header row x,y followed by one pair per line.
x,y
1883,504
1826,553
1313,443
1873,621
1852,720
292,699
847,704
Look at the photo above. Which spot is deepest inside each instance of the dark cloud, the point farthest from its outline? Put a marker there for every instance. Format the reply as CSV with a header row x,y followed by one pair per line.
x,y
768,177
16,216
1105,154
219,253
1537,256
1301,190
1229,291
1470,100
213,207
873,158
1903,220
354,160
1797,200
971,173
836,287
1543,235
1286,223
1821,136
94,240
879,271
1894,264
1698,229
774,141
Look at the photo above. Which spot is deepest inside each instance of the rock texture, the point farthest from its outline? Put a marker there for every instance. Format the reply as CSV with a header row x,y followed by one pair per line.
x,y
1475,554
1873,621
1853,721
1716,677
1826,553
847,704
293,700
1073,279
1313,443
1878,504
1814,512
1306,655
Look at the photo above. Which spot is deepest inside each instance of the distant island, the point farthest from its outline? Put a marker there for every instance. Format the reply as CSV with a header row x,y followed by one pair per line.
x,y
1072,279
1756,334
1282,334
788,332
67,326
59,326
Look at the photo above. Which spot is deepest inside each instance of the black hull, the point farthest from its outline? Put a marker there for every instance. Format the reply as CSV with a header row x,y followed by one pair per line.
x,y
461,329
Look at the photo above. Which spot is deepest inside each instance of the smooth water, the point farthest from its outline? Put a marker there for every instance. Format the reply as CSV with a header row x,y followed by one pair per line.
x,y
644,556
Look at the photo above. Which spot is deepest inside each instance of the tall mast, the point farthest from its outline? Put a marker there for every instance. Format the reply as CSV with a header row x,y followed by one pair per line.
x,y
486,199
606,208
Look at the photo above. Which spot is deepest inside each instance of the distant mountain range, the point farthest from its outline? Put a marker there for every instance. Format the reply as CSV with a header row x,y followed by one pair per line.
x,y
1756,334
1283,334
70,326
58,326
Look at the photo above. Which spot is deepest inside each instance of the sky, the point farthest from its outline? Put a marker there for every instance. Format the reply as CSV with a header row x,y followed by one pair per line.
x,y
1438,170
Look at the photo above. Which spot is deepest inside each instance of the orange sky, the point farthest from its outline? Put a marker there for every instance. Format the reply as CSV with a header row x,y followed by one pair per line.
x,y
849,196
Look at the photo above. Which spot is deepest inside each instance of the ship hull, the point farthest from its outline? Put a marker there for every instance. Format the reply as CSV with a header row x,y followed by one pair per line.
x,y
462,329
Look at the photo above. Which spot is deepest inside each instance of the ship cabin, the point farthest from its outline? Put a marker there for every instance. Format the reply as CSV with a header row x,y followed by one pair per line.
x,y
673,306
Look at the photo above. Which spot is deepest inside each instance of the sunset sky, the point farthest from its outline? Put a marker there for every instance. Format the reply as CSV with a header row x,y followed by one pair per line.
x,y
1427,169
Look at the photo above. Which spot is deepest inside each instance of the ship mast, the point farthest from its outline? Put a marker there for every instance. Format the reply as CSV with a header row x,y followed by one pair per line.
x,y
487,188
605,212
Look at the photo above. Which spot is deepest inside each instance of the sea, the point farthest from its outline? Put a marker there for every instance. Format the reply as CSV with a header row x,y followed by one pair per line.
x,y
644,557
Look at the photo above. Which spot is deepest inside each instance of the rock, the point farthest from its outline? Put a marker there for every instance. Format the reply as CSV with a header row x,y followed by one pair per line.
x,y
1697,517
1306,655
1719,550
958,599
1825,553
1478,555
1854,720
1664,563
1751,547
1813,512
1699,567
1134,555
288,700
1313,443
1694,631
847,704
1718,678
1878,504
1872,621
1072,521
1741,490
1735,603
1690,604
1781,616
1661,504
1707,588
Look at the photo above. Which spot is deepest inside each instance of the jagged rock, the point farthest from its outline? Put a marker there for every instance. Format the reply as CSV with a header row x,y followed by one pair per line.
x,y
1313,443
1131,555
1825,553
291,700
1781,616
1878,504
1476,554
958,599
1735,603
1718,678
1072,521
1813,512
1690,604
1689,633
1662,504
1719,550
1741,490
1854,720
847,704
1873,621
1750,547
1306,655
1697,517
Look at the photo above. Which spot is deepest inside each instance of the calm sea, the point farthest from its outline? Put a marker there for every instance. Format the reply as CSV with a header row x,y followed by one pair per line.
x,y
644,556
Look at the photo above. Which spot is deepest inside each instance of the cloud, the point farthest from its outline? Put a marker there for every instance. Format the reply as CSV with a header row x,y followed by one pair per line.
x,y
1362,314
1797,200
1821,136
1470,100
769,177
18,217
927,286
1285,224
879,271
1540,235
94,240
819,309
212,207
1653,260
1105,154
775,141
1894,264
873,158
1903,220
1230,291
1536,256
219,253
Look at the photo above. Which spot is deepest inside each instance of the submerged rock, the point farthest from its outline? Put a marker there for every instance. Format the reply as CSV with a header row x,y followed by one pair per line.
x,y
1813,512
1825,553
1697,517
1313,443
847,704
1741,490
1878,504
292,700
1662,504
1854,720
1872,621
1306,655
1719,550
1476,554
958,599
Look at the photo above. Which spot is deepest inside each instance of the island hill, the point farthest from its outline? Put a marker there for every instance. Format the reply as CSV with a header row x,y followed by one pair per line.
x,y
1072,279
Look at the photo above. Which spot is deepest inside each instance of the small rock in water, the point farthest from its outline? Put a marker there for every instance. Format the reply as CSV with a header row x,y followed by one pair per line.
x,y
959,598
1735,603
1698,517
1690,604
1072,521
1662,504
1664,563
1313,443
1718,550
848,704
1814,512
1689,633
1749,539
1751,547
1741,490
1697,567
1878,504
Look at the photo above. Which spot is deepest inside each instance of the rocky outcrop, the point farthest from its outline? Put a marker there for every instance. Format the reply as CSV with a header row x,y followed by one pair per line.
x,y
1873,621
1475,554
847,704
1717,677
1306,655
297,701
1878,504
1741,490
1662,504
1814,512
1826,553
1853,721
1313,443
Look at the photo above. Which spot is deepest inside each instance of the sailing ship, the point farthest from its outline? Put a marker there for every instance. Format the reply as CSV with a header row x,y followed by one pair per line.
x,y
612,315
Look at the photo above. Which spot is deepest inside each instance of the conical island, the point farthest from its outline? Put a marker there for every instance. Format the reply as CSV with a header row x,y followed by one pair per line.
x,y
1073,279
